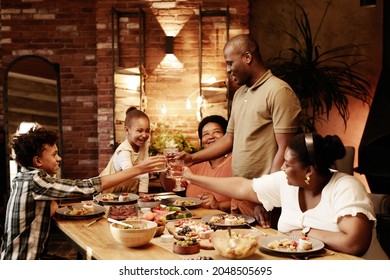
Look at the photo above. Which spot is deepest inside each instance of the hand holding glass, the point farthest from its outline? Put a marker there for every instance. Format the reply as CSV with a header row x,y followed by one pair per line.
x,y
177,168
170,154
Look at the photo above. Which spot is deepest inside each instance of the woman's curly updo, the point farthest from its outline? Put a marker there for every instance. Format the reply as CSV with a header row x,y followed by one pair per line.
x,y
323,153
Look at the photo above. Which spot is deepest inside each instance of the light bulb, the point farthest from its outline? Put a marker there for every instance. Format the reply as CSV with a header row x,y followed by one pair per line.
x,y
188,104
164,109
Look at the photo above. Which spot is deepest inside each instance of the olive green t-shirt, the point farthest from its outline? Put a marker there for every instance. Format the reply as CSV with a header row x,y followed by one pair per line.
x,y
270,106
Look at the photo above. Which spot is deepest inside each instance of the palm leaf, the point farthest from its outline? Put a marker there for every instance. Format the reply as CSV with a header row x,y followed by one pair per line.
x,y
321,80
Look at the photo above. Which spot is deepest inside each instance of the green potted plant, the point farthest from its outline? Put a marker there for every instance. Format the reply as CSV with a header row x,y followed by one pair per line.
x,y
320,79
165,135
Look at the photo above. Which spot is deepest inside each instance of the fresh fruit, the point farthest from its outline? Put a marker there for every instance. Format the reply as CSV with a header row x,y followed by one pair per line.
x,y
160,220
148,216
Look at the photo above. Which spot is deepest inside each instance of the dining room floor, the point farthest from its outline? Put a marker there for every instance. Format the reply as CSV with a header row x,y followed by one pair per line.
x,y
59,246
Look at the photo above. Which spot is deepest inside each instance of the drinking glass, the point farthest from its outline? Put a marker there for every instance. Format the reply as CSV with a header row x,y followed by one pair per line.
x,y
177,167
170,154
161,168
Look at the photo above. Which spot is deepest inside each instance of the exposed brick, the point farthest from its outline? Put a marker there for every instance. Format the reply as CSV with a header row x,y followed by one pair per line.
x,y
78,37
44,16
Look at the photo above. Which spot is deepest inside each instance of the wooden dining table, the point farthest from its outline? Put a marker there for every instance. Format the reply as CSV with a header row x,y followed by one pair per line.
x,y
96,242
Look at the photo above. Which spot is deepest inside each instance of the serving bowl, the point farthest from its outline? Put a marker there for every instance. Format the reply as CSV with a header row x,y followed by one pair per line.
x,y
148,202
142,232
160,230
186,247
242,244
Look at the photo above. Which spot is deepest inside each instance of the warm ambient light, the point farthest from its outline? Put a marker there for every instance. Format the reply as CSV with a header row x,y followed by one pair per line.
x,y
126,81
164,109
188,104
25,127
211,80
199,100
171,62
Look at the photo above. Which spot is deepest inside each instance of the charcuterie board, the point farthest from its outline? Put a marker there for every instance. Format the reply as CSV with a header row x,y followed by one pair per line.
x,y
189,228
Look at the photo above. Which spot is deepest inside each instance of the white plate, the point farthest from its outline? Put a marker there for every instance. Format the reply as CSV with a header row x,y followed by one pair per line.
x,y
195,200
248,220
317,245
65,211
166,195
99,198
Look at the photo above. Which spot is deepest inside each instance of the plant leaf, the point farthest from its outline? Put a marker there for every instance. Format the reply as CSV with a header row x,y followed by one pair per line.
x,y
321,80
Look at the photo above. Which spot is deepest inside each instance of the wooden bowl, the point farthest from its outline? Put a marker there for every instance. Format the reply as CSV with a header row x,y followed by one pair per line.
x,y
134,237
186,250
160,230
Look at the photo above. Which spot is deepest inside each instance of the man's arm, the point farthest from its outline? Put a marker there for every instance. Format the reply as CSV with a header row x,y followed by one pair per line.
x,y
282,140
220,148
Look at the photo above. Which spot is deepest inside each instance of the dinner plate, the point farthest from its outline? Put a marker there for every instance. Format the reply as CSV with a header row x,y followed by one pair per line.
x,y
317,245
193,202
65,212
248,220
100,198
165,195
179,215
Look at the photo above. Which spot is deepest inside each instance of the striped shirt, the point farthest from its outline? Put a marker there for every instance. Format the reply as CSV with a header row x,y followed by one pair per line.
x,y
27,221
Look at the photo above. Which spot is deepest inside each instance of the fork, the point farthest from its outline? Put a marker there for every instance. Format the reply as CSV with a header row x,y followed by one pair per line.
x,y
94,221
252,227
315,255
188,210
232,241
318,255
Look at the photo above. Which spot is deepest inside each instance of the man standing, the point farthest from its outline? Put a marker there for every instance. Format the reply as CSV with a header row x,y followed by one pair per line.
x,y
264,117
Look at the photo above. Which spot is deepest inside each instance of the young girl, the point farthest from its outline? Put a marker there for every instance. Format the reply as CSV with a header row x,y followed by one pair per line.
x,y
131,151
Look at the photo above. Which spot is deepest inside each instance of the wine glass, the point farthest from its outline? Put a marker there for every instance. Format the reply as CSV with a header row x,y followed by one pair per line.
x,y
177,168
160,168
170,154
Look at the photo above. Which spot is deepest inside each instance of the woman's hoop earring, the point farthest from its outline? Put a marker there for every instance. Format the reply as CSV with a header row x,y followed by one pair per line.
x,y
307,181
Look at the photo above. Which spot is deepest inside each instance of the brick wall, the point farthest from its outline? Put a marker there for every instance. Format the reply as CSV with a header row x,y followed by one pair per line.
x,y
63,32
163,86
77,36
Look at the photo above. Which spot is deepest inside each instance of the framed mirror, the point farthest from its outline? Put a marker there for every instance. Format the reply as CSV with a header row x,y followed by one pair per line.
x,y
31,89
213,81
129,73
